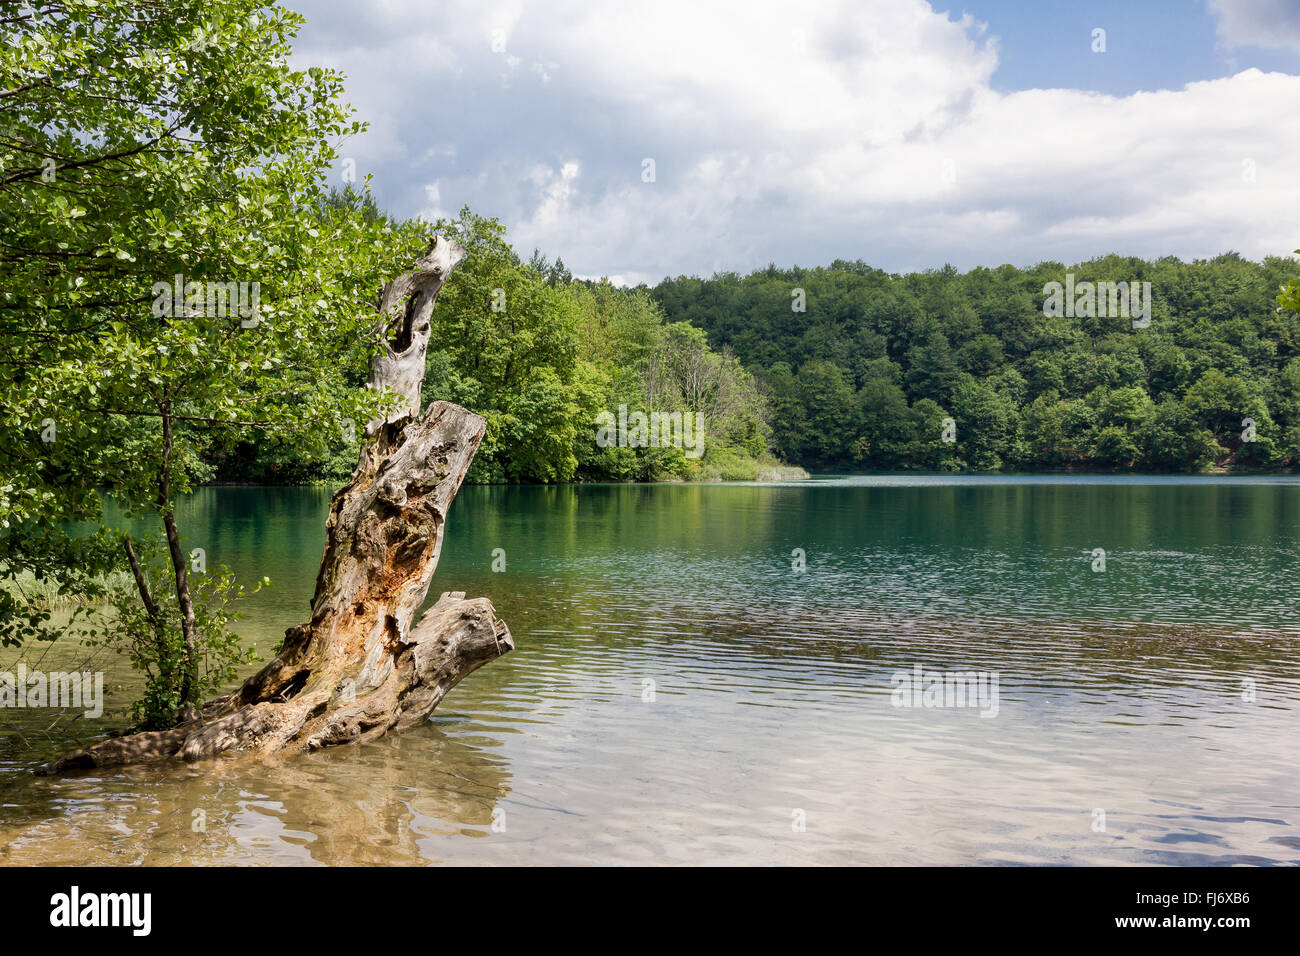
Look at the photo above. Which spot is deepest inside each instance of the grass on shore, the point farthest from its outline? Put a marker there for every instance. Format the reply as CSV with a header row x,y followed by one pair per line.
x,y
43,594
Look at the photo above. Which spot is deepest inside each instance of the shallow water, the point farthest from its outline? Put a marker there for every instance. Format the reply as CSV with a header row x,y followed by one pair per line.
x,y
681,694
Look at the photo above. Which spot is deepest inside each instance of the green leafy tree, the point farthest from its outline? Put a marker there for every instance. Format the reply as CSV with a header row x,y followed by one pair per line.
x,y
168,284
1172,439
830,406
987,424
1237,417
508,345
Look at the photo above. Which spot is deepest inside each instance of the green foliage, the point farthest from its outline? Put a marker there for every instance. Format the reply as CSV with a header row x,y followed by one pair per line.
x,y
540,355
43,570
865,376
506,346
146,140
154,643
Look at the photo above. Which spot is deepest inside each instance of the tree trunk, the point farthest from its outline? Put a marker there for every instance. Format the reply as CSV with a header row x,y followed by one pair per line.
x,y
358,668
184,600
150,608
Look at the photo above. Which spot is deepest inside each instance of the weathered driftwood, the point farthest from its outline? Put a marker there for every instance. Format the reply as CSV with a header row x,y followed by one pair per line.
x,y
359,668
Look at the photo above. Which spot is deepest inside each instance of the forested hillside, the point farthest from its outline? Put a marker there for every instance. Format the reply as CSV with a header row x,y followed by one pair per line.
x,y
847,367
865,375
541,356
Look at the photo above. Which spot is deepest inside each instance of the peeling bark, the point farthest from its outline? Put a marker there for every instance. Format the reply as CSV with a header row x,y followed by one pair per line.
x,y
359,668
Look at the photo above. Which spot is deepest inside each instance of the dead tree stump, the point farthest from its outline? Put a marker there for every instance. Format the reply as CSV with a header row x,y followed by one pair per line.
x,y
358,668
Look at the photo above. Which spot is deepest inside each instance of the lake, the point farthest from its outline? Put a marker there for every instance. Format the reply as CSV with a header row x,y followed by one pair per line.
x,y
718,673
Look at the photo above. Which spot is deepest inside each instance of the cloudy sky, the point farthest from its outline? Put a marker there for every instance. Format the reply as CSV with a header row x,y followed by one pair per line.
x,y
905,133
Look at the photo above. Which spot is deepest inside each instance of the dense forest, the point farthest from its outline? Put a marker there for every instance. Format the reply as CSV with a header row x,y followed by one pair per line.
x,y
863,376
845,368
851,368
540,356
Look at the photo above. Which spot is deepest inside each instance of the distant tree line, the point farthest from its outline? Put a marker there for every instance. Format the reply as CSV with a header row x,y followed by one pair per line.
x,y
848,367
860,368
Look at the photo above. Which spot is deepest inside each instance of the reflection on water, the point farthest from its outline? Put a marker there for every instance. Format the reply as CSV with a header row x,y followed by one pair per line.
x,y
681,694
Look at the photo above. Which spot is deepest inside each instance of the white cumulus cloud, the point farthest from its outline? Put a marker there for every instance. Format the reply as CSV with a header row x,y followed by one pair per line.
x,y
858,129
